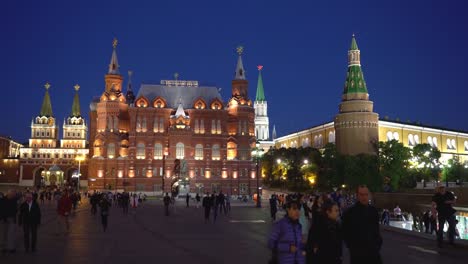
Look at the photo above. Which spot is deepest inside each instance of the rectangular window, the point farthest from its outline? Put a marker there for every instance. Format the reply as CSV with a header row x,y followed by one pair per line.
x,y
213,126
202,126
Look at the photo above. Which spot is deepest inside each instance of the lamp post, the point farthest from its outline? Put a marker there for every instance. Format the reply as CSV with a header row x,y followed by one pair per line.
x,y
257,153
79,159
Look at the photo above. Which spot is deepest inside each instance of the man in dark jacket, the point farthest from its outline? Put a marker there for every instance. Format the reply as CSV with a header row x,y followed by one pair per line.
x,y
443,202
30,219
207,205
167,201
361,230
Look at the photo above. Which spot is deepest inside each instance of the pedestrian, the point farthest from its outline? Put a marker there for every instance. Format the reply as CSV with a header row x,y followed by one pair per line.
x,y
228,204
207,205
427,221
167,202
125,201
221,200
30,219
63,211
197,198
94,201
385,220
134,202
286,237
273,207
443,201
397,213
214,205
361,230
104,204
187,199
10,209
41,197
325,239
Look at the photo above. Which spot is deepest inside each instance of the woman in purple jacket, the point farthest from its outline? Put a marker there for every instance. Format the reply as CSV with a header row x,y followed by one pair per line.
x,y
286,237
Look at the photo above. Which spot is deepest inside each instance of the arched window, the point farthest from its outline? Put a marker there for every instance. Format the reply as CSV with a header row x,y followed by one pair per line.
x,y
158,151
140,153
466,145
389,135
156,125
202,127
161,125
213,126
320,140
231,150
396,136
416,139
305,142
216,153
451,144
219,126
111,150
180,150
411,140
196,126
331,137
143,126
199,152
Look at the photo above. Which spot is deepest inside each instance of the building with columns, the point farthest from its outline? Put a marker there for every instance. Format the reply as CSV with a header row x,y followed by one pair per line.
x,y
356,128
49,160
174,134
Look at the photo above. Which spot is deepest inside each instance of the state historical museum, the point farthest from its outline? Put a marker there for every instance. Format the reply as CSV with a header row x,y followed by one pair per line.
x,y
173,134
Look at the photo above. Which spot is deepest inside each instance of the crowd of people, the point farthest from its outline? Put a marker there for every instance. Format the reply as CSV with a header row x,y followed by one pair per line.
x,y
315,227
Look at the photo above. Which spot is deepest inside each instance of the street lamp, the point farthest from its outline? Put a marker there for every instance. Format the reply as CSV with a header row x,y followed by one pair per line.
x,y
257,153
79,159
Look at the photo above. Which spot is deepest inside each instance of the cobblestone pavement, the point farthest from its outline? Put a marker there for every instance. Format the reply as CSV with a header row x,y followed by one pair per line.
x,y
147,235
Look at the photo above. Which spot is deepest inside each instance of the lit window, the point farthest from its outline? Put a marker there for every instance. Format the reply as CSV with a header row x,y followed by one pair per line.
x,y
466,145
140,151
199,152
411,140
331,137
158,151
216,153
180,150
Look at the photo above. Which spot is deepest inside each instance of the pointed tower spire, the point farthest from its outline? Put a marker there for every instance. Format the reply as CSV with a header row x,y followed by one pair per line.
x,y
130,96
76,103
114,63
180,109
260,93
274,132
46,109
355,83
240,72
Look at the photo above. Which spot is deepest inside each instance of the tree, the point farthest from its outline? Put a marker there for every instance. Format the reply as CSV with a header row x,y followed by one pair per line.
x,y
425,161
454,170
393,161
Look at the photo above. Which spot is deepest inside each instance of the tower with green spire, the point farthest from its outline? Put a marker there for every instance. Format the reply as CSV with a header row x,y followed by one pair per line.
x,y
356,125
74,127
262,130
44,132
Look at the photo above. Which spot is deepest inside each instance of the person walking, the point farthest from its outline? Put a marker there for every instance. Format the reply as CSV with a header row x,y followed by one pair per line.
x,y
214,205
443,201
105,205
63,210
361,230
30,219
285,239
325,239
187,199
221,200
207,205
273,207
10,209
125,201
197,198
426,219
167,202
228,204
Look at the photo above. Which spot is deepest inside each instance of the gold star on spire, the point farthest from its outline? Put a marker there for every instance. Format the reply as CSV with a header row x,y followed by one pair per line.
x,y
240,50
114,43
47,85
77,87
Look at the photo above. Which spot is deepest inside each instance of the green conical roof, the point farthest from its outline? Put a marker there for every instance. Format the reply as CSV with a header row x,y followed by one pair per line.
x,y
260,92
46,109
353,44
355,82
76,103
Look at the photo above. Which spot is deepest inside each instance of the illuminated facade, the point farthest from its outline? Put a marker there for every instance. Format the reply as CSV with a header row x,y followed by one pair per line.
x,y
48,161
9,160
262,122
176,133
356,128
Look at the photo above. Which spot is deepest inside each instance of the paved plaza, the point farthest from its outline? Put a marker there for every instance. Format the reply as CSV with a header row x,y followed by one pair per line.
x,y
148,236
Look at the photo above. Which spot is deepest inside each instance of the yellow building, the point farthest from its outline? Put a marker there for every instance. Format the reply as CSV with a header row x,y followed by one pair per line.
x,y
358,125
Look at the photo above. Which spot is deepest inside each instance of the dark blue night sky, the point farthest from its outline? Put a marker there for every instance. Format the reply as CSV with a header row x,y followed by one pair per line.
x,y
414,54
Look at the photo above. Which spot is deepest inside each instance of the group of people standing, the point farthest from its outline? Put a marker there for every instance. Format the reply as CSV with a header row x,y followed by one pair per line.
x,y
357,227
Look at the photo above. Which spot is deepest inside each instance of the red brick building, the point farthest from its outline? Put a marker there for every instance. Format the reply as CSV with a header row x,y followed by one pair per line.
x,y
176,133
9,160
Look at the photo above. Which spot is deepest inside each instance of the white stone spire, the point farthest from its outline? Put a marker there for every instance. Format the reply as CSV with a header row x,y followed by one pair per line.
x,y
274,132
240,72
180,110
114,63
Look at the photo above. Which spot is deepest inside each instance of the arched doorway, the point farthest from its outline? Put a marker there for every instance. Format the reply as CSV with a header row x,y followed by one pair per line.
x,y
71,176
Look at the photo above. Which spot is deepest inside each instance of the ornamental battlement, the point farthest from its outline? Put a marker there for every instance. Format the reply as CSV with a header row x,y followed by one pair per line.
x,y
179,83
